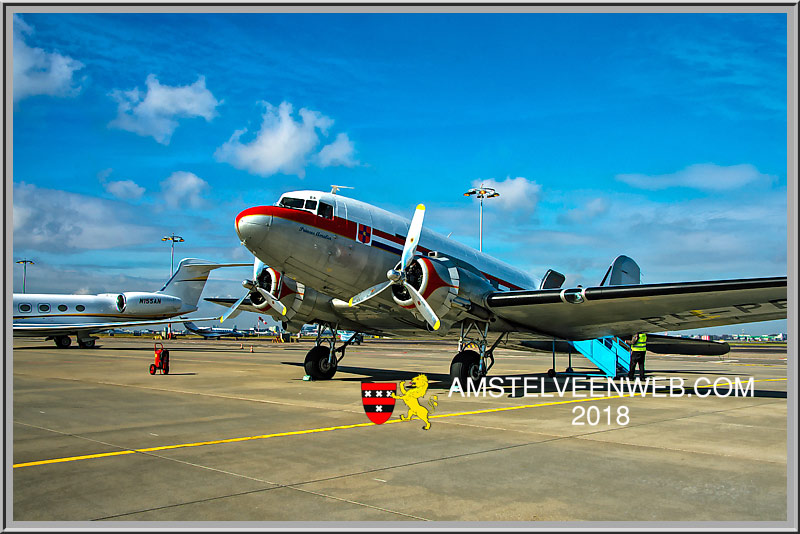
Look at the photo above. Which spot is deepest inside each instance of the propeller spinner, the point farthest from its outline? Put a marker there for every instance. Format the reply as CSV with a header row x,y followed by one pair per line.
x,y
398,275
252,285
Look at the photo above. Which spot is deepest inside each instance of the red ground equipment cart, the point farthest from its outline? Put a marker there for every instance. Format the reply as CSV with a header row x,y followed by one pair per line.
x,y
162,359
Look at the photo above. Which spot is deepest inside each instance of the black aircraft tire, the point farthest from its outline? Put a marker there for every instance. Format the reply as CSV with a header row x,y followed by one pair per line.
x,y
88,344
62,342
465,366
317,365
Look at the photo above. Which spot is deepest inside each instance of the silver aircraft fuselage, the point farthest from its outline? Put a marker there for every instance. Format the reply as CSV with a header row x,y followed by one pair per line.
x,y
351,247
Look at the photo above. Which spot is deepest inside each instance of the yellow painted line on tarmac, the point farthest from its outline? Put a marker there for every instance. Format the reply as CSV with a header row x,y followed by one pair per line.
x,y
340,427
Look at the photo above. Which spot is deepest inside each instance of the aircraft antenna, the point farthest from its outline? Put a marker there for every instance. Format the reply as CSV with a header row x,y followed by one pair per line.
x,y
335,188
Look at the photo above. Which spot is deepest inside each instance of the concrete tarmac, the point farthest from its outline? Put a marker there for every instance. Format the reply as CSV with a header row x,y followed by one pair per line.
x,y
230,435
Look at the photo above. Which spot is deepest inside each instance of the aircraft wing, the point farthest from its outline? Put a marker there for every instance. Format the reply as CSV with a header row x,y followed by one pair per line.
x,y
592,312
44,329
246,305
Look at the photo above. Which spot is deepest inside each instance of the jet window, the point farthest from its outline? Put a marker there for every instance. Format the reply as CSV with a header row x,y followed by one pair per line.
x,y
294,203
80,307
311,205
25,308
325,210
62,307
44,308
121,303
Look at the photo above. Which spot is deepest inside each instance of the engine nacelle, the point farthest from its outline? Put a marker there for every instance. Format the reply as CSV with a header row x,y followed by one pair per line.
x,y
288,291
440,282
150,304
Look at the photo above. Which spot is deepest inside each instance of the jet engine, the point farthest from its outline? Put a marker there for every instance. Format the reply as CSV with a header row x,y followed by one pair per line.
x,y
141,303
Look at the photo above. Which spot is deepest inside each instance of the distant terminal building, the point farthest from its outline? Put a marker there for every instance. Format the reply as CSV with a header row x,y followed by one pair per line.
x,y
740,337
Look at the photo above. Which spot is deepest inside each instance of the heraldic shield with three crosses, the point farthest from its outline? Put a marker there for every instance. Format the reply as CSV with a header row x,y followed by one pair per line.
x,y
377,400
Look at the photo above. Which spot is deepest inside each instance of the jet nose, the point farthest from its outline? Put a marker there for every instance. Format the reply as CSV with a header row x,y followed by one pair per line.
x,y
252,228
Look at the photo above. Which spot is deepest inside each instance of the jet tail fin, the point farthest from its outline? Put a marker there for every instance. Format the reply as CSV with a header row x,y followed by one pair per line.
x,y
189,280
190,326
623,271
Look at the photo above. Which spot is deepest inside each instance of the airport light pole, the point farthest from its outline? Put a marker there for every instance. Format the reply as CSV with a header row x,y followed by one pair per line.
x,y
481,192
25,271
173,238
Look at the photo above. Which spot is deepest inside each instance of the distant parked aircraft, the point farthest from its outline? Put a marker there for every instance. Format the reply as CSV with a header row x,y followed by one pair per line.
x,y
212,332
58,316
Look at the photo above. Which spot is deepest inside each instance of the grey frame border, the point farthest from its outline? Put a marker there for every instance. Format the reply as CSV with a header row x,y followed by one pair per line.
x,y
791,11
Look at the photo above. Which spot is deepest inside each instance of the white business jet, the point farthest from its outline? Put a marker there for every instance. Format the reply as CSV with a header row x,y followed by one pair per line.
x,y
57,316
327,259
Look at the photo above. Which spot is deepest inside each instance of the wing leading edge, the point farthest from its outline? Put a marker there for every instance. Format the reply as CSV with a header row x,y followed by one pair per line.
x,y
592,312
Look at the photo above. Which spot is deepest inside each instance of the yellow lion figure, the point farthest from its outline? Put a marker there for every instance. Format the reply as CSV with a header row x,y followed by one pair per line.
x,y
419,386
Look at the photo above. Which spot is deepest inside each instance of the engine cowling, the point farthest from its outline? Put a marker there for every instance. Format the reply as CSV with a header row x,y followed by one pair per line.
x,y
440,281
288,291
150,304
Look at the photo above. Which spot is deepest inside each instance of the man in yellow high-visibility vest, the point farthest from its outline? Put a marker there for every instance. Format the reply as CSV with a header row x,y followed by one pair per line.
x,y
638,349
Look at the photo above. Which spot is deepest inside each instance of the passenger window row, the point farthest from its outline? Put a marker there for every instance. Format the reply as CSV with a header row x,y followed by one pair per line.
x,y
45,308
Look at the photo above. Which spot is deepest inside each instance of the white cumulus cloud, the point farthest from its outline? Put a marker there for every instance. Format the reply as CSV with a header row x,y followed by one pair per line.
x,y
124,189
286,145
37,72
154,112
60,221
516,194
704,176
340,152
592,209
183,189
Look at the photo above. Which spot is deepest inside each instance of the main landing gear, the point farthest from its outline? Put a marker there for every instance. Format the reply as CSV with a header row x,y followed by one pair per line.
x,y
322,362
86,343
62,342
469,364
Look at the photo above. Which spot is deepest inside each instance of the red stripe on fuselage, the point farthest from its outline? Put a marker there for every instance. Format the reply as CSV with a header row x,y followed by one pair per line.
x,y
338,226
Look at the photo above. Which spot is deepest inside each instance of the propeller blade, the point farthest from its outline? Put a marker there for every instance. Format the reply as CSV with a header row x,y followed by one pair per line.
x,y
369,293
233,308
257,266
412,238
423,307
275,303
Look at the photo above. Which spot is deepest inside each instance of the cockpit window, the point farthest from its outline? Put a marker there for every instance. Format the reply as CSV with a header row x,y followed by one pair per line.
x,y
325,210
311,204
288,202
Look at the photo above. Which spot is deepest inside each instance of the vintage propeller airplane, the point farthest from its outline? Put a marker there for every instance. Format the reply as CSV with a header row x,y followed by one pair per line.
x,y
316,252
58,316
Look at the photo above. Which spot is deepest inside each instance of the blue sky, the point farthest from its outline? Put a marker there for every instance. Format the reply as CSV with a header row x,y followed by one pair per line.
x,y
660,136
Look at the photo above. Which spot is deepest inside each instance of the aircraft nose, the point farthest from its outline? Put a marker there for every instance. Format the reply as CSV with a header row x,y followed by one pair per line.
x,y
252,228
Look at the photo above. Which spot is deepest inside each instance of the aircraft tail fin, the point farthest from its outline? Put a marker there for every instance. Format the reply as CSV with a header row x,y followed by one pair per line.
x,y
623,271
190,326
189,280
